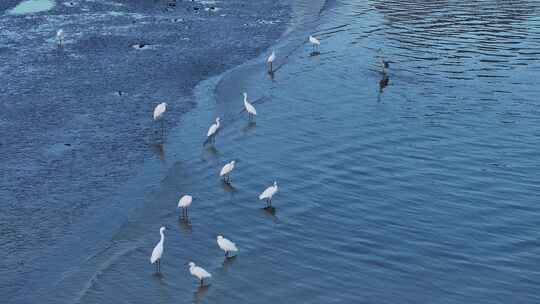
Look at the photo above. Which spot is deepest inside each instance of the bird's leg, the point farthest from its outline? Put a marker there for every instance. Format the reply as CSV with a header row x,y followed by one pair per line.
x,y
162,130
201,282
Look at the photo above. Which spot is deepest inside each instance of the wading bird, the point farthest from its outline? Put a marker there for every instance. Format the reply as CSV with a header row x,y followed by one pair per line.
x,y
270,62
249,107
60,38
184,203
198,272
316,44
159,110
211,134
226,245
269,193
158,251
226,170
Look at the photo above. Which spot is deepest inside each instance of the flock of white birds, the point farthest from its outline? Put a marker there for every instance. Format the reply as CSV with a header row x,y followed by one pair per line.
x,y
185,201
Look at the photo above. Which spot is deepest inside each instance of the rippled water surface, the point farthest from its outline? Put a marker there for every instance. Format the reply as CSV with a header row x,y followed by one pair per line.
x,y
425,191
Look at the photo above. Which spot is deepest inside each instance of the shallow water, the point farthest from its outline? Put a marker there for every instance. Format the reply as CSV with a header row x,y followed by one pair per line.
x,y
425,192
76,122
32,6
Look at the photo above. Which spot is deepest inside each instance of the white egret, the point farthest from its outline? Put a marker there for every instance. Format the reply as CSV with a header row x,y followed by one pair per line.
x,y
213,130
198,272
249,107
315,42
158,251
270,61
268,193
226,245
60,38
184,203
226,170
159,110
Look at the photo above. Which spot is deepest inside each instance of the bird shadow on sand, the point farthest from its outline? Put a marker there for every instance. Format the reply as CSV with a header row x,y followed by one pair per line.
x,y
200,293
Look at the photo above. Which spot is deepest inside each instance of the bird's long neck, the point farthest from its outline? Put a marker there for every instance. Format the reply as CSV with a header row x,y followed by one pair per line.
x,y
162,237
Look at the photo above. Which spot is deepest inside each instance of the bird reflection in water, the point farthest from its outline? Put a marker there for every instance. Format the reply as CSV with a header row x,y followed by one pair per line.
x,y
385,79
270,212
159,150
249,126
227,262
227,187
185,225
200,293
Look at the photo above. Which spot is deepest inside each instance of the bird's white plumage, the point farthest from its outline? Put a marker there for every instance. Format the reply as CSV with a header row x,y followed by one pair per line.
x,y
269,192
198,272
227,168
314,40
159,110
60,36
272,57
226,245
158,250
185,201
249,107
213,128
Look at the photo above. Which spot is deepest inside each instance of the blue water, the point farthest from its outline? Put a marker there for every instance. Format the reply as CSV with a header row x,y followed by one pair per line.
x,y
424,192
